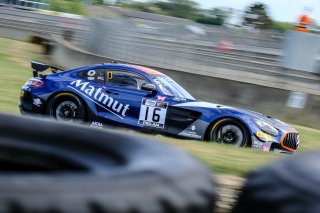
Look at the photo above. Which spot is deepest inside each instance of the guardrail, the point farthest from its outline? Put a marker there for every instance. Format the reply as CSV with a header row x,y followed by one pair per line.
x,y
188,56
43,24
164,27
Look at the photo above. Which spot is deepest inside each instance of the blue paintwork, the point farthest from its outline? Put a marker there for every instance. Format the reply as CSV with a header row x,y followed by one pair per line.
x,y
60,82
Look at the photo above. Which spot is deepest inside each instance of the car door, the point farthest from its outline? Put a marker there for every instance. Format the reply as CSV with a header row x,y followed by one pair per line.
x,y
125,103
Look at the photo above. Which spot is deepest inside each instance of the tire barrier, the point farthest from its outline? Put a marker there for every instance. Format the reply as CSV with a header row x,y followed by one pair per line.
x,y
56,167
289,185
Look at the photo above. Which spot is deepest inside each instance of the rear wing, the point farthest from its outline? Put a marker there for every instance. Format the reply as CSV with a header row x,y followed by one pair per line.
x,y
40,67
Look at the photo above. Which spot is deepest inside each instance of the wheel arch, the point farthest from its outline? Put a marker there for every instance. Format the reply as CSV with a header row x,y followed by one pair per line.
x,y
86,106
216,121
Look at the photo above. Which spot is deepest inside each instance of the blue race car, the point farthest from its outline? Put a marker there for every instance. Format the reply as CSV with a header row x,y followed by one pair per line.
x,y
142,98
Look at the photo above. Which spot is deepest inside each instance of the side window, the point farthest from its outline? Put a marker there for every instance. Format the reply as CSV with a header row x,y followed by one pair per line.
x,y
126,79
95,75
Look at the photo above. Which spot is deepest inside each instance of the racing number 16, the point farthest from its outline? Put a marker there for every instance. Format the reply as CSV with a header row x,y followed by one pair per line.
x,y
155,115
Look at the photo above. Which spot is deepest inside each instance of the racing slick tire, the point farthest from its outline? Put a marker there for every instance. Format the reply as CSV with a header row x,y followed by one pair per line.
x,y
289,185
229,131
48,166
66,107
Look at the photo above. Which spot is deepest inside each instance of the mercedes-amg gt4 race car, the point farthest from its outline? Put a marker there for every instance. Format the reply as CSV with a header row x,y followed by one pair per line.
x,y
141,98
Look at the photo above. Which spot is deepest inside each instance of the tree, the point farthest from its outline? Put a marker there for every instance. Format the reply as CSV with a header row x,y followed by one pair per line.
x,y
256,16
215,16
149,7
282,26
187,9
97,2
67,6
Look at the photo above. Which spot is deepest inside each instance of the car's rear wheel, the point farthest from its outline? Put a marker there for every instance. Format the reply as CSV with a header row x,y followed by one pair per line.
x,y
66,107
229,131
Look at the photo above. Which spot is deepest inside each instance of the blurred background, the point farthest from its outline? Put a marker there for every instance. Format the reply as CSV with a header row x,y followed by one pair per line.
x,y
263,56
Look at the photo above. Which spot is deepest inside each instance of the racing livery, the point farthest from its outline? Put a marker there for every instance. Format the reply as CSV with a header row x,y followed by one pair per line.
x,y
145,99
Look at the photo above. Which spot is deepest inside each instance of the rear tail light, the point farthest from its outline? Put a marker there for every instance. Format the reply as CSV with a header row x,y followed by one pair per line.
x,y
34,83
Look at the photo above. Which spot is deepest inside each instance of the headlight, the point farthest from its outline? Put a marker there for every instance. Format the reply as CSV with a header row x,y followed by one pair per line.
x,y
267,128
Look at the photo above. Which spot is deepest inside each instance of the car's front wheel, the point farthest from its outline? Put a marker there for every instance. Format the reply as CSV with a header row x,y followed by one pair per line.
x,y
229,131
66,107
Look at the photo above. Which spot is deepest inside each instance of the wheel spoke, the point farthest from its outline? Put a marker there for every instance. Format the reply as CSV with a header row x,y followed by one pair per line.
x,y
66,111
230,134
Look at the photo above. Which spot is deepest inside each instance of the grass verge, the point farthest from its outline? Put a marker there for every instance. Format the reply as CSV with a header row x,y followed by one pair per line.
x,y
15,70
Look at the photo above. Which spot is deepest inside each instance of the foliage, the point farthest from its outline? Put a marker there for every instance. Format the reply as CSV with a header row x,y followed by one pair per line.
x,y
141,6
67,6
282,26
186,9
256,16
215,16
98,2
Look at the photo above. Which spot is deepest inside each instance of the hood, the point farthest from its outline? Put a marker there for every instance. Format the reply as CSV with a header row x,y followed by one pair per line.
x,y
274,122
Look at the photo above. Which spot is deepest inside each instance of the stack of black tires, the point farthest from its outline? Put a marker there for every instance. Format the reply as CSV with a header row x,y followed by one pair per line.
x,y
50,167
47,166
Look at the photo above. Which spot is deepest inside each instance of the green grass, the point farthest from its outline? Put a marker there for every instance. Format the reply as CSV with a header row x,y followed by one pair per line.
x,y
15,70
310,138
229,160
226,159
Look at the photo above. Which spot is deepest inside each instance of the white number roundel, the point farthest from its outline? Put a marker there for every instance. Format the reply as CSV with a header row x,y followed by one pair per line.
x,y
153,113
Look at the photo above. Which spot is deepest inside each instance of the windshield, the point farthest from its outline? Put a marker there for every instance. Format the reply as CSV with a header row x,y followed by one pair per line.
x,y
170,87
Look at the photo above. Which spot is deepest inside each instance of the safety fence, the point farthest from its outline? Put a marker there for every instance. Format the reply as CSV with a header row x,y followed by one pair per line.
x,y
171,27
42,24
108,38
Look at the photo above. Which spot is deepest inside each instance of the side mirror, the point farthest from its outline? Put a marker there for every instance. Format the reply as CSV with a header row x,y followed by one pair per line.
x,y
149,87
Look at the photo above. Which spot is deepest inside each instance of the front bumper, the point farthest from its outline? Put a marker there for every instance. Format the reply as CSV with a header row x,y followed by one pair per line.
x,y
268,146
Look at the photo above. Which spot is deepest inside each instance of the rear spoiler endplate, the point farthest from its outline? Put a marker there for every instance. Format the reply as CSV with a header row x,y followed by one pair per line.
x,y
40,67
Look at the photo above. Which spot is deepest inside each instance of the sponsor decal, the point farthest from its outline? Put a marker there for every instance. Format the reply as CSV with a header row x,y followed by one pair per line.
x,y
196,130
263,135
91,73
161,98
37,102
150,103
151,124
100,98
179,99
190,134
266,148
100,78
96,124
257,144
